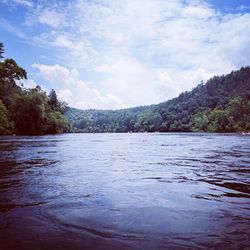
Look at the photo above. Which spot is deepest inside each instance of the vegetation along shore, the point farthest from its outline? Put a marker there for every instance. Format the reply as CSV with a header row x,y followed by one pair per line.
x,y
222,104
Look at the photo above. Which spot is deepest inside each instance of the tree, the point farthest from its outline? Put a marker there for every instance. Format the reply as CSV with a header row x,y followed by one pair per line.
x,y
200,121
5,124
56,123
27,111
53,101
55,104
10,72
1,50
222,104
30,112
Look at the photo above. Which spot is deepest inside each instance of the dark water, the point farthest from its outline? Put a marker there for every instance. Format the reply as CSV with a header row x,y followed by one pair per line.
x,y
125,191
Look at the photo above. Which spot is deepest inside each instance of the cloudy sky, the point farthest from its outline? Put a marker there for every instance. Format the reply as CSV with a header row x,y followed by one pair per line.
x,y
111,54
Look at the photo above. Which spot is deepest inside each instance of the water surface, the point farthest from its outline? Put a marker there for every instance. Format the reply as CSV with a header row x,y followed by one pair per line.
x,y
125,191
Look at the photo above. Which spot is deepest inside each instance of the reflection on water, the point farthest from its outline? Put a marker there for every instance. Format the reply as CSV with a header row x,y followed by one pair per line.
x,y
125,191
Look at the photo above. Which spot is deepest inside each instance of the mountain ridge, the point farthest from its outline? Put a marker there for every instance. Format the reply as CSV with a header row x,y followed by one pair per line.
x,y
214,106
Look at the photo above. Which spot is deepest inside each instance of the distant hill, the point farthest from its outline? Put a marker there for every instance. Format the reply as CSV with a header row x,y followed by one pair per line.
x,y
222,104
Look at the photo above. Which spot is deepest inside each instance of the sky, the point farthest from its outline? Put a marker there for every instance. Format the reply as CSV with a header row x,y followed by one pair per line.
x,y
111,54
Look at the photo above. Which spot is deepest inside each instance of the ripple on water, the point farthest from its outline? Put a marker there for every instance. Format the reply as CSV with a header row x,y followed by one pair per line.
x,y
150,191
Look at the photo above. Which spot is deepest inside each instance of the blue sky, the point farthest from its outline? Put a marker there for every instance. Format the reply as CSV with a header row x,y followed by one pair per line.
x,y
113,54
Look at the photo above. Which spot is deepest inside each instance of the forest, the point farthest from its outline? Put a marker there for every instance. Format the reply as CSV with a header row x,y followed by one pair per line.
x,y
222,104
27,111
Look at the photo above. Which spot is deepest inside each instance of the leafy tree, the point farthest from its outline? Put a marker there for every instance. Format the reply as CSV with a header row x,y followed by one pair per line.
x,y
55,104
53,101
56,123
5,123
10,72
200,121
27,111
1,50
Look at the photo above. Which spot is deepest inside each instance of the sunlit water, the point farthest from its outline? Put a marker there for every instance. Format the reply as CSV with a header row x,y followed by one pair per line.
x,y
125,191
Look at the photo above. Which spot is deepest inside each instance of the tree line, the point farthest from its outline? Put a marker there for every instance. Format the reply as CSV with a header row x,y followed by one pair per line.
x,y
27,111
222,104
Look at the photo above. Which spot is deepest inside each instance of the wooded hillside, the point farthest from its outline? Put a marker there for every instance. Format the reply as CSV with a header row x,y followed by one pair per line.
x,y
222,104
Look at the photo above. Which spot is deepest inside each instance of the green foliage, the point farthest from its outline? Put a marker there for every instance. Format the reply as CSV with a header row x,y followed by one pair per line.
x,y
1,50
148,121
10,72
55,104
56,122
5,124
220,105
27,111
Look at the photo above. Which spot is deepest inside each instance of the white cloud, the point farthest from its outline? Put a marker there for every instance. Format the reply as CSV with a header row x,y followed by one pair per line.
x,y
146,85
4,24
47,16
26,3
54,73
136,51
51,18
73,90
178,33
29,83
199,12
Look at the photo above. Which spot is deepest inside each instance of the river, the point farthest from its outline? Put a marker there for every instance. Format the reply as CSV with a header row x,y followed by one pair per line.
x,y
125,191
